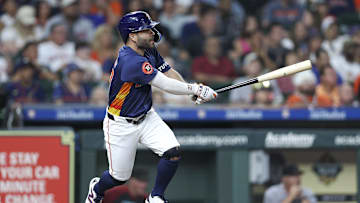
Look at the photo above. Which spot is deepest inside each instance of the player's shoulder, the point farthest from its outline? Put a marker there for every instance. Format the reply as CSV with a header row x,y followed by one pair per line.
x,y
130,58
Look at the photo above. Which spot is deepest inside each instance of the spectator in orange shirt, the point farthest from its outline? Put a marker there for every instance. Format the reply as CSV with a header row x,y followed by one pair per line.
x,y
327,92
303,96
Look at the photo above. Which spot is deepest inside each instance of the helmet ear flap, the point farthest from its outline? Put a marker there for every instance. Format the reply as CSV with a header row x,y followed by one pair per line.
x,y
157,36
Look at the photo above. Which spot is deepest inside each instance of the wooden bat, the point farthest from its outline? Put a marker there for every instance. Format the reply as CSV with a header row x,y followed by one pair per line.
x,y
285,71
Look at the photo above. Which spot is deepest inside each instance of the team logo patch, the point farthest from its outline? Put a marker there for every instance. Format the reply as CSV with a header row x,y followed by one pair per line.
x,y
147,68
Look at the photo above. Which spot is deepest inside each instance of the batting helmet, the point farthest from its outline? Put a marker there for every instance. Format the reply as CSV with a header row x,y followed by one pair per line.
x,y
137,21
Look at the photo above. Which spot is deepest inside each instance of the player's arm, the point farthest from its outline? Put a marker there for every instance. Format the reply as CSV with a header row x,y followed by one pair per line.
x,y
172,73
174,86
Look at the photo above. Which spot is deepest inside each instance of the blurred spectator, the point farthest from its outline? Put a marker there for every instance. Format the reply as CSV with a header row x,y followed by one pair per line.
x,y
24,88
300,35
357,88
4,69
260,47
251,25
314,46
72,90
99,96
30,53
134,5
92,69
96,17
327,92
194,34
132,192
103,46
9,12
303,96
252,67
57,51
290,189
276,51
23,30
262,97
79,29
212,67
43,14
321,11
341,7
347,97
285,12
333,42
356,36
285,83
322,60
114,10
240,47
346,64
171,19
233,13
308,20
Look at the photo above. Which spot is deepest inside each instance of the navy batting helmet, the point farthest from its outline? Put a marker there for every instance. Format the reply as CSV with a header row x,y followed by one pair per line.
x,y
137,21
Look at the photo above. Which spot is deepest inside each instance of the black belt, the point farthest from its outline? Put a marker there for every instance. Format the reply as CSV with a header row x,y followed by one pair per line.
x,y
130,120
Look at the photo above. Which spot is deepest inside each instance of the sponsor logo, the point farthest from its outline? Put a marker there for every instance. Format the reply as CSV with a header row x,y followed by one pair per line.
x,y
147,68
163,66
347,140
289,140
168,114
243,114
327,168
213,140
327,115
74,115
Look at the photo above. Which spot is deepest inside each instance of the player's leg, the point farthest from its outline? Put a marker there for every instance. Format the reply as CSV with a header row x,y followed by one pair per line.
x,y
160,139
121,142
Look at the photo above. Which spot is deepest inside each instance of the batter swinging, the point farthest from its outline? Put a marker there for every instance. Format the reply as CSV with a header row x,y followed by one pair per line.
x,y
130,118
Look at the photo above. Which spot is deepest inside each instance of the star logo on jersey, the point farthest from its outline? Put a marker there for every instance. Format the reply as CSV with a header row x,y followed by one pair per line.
x,y
147,68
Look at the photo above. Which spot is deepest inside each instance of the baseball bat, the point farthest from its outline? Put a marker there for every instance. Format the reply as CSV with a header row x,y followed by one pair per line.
x,y
285,71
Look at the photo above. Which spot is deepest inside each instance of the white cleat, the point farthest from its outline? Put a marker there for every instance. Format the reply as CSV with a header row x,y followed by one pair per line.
x,y
155,199
92,197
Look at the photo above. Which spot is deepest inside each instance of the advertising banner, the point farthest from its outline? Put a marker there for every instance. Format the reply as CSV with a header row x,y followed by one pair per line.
x,y
36,166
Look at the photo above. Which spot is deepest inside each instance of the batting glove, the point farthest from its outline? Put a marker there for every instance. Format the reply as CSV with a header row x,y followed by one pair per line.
x,y
204,93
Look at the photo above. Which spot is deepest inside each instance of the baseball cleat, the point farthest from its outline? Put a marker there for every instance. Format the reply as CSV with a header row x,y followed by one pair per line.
x,y
92,197
155,199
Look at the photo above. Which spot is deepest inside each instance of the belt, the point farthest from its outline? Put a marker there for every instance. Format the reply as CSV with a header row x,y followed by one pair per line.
x,y
135,121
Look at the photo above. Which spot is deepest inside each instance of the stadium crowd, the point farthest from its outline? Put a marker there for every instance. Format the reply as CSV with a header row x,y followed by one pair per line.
x,y
62,51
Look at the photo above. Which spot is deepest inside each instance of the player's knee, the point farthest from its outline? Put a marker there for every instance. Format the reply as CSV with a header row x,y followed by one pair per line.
x,y
172,154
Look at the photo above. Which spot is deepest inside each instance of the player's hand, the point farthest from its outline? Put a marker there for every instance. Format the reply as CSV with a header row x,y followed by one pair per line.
x,y
295,191
204,93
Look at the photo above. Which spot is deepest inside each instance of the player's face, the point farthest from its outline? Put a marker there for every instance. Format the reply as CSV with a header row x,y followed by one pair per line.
x,y
145,39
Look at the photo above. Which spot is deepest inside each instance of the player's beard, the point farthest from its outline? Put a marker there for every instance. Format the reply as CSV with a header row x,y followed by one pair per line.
x,y
145,43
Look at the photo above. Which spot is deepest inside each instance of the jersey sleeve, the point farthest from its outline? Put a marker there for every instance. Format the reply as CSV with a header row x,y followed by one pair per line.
x,y
138,71
161,64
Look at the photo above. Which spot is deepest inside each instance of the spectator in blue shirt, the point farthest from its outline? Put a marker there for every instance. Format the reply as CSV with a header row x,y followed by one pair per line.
x,y
72,90
285,12
24,88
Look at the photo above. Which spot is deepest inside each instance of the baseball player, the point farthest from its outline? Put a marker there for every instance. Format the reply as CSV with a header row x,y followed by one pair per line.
x,y
130,118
